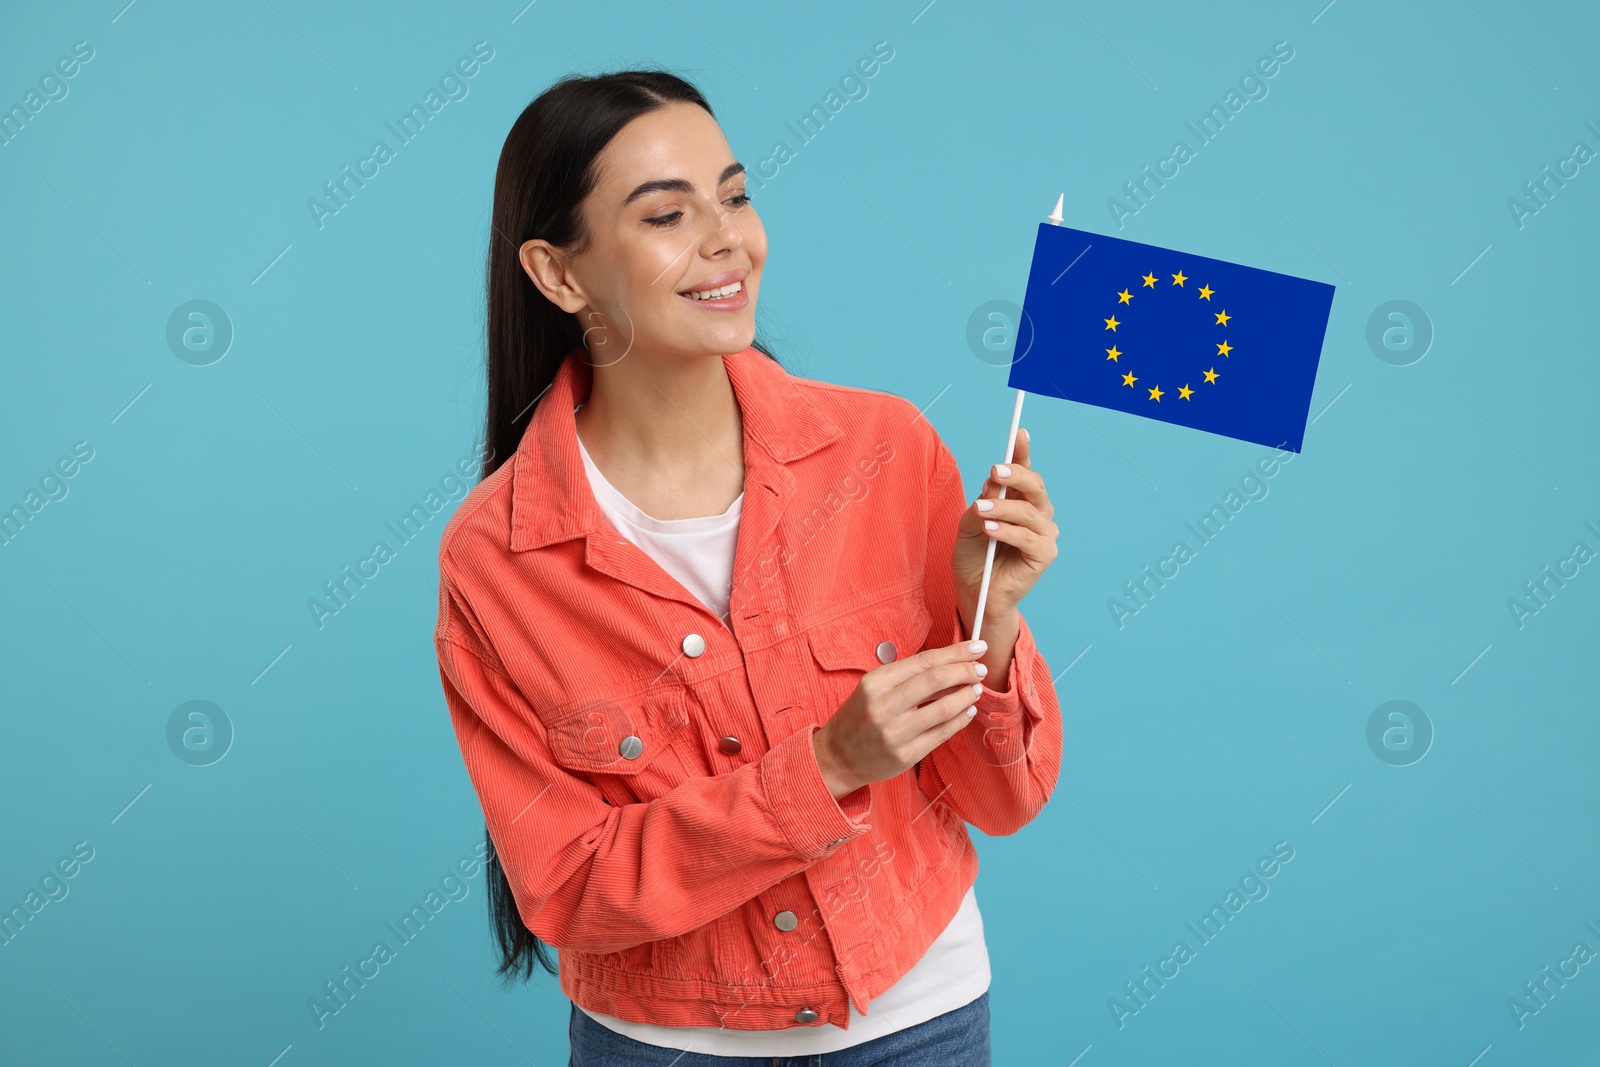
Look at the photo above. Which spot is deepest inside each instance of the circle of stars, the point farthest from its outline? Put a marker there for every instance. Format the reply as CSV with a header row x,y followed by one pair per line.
x,y
1205,292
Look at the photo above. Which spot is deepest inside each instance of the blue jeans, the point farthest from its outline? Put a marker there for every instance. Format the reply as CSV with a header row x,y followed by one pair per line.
x,y
958,1038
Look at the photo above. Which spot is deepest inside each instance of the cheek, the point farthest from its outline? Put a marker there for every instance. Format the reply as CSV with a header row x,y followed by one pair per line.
x,y
654,272
755,249
755,241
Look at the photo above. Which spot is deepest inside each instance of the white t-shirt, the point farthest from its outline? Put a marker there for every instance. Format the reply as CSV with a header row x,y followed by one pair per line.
x,y
699,552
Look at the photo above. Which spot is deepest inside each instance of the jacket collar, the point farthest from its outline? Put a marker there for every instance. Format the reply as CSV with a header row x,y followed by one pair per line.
x,y
551,499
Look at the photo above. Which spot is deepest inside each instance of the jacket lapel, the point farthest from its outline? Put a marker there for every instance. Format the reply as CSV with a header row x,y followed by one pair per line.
x,y
552,500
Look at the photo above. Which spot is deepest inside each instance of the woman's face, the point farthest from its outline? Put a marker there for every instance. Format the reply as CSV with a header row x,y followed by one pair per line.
x,y
668,215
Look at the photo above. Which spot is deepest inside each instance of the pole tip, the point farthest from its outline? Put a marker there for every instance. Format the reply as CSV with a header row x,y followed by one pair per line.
x,y
1055,215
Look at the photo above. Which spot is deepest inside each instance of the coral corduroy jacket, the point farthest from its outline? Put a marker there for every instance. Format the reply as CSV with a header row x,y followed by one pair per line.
x,y
646,769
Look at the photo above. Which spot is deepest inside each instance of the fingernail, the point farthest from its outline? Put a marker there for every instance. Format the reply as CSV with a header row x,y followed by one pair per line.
x,y
1003,470
977,646
985,505
972,711
983,670
990,524
977,689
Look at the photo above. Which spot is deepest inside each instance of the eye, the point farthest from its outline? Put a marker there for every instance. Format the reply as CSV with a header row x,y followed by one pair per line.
x,y
671,218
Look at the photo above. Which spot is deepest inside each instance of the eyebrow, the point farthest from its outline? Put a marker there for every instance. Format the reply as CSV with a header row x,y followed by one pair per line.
x,y
678,185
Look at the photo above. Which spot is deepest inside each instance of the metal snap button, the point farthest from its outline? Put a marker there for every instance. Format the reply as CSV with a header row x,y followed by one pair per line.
x,y
805,1015
693,645
887,652
785,920
631,747
729,744
840,841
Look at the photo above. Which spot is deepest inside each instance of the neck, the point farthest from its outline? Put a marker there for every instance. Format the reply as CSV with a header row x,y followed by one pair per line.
x,y
658,415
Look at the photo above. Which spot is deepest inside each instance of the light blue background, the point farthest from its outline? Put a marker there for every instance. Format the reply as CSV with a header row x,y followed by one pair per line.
x,y
1226,716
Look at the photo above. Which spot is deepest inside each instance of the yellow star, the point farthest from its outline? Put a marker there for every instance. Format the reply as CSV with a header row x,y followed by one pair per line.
x,y
1112,324
1156,394
1211,376
1178,278
1124,297
1224,348
1222,317
1184,392
1149,281
1112,353
1205,292
1128,379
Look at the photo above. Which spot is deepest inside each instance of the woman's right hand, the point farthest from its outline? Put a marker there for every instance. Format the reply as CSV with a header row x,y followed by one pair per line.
x,y
881,731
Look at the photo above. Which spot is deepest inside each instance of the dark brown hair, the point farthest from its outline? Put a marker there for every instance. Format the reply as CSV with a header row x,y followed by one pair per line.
x,y
546,170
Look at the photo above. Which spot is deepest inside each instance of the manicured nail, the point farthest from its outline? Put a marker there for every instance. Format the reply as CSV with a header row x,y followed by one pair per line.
x,y
977,646
1003,470
983,671
972,711
977,689
985,505
990,524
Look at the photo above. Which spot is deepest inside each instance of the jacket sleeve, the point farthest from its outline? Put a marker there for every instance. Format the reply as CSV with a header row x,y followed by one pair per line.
x,y
597,878
998,770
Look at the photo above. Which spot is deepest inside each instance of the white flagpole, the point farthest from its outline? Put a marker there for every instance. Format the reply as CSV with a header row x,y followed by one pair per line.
x,y
1054,219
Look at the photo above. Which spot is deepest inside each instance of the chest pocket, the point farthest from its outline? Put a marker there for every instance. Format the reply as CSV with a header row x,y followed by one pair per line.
x,y
847,647
624,744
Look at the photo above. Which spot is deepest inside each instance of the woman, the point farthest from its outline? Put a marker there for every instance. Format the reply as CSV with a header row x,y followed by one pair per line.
x,y
701,631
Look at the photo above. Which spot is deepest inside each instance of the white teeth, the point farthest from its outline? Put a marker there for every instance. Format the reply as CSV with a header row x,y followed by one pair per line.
x,y
714,294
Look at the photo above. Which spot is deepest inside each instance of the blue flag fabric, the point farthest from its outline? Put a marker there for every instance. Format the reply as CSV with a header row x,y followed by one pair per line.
x,y
1185,339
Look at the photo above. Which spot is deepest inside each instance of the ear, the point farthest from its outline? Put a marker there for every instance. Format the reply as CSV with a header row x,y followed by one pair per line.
x,y
546,268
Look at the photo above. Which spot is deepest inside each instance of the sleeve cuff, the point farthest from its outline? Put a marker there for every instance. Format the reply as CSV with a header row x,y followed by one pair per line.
x,y
811,818
1004,724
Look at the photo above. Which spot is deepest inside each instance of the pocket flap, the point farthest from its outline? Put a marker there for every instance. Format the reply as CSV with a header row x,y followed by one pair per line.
x,y
851,642
620,735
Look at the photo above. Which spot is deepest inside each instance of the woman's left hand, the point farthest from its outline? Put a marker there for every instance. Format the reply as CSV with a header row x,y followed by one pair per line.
x,y
1024,529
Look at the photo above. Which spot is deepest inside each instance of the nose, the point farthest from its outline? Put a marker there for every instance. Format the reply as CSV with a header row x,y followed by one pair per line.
x,y
722,233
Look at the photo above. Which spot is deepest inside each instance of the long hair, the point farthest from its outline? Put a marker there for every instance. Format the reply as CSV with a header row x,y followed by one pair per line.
x,y
546,169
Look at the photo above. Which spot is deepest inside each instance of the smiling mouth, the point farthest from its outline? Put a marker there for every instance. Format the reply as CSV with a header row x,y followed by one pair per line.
x,y
731,289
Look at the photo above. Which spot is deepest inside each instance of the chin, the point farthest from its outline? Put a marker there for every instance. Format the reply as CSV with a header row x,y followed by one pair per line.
x,y
724,339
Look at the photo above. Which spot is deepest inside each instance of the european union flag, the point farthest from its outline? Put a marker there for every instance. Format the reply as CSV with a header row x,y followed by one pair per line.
x,y
1199,342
